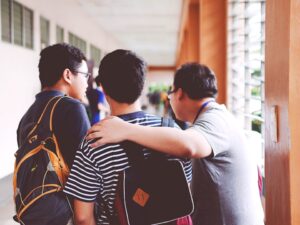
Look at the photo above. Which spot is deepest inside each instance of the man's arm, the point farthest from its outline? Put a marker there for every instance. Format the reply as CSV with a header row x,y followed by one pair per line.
x,y
84,213
83,186
189,143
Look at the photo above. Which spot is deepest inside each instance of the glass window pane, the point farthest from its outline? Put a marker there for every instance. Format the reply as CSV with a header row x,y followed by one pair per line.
x,y
28,28
95,55
6,20
18,23
59,34
77,42
45,32
246,43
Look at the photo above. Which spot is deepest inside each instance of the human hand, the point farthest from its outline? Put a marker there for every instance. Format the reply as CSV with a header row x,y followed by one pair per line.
x,y
109,130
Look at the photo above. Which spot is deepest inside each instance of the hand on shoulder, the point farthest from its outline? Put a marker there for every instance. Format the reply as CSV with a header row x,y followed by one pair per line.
x,y
109,130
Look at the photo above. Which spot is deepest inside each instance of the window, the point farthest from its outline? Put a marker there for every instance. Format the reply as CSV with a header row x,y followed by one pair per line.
x,y
45,32
95,55
77,42
59,34
16,23
6,20
28,28
246,43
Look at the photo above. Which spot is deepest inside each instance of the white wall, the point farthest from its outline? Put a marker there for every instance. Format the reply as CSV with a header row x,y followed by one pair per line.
x,y
18,66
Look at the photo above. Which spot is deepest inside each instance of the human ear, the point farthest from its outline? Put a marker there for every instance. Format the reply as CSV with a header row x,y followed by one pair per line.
x,y
180,94
66,76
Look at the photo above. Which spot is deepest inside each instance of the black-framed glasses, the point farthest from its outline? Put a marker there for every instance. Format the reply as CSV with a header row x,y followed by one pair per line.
x,y
171,92
86,75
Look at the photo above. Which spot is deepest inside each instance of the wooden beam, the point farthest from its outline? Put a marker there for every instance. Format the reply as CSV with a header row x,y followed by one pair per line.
x,y
161,68
183,24
213,41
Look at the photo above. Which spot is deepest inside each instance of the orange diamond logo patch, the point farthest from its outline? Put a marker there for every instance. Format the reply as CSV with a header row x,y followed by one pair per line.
x,y
141,197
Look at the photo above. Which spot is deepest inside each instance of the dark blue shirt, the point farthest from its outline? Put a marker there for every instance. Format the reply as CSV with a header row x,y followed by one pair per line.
x,y
70,122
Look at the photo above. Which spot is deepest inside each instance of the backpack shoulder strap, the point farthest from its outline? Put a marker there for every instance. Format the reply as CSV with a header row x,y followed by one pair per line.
x,y
47,114
134,151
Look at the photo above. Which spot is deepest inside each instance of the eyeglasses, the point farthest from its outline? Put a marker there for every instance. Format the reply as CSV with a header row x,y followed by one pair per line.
x,y
86,75
171,92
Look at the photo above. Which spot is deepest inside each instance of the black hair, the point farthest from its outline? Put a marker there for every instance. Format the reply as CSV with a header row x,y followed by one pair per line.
x,y
196,80
55,59
122,75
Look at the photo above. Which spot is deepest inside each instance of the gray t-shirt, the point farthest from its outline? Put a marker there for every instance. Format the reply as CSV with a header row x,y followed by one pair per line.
x,y
225,184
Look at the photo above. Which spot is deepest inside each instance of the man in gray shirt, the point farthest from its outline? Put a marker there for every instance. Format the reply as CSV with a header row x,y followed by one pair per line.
x,y
225,181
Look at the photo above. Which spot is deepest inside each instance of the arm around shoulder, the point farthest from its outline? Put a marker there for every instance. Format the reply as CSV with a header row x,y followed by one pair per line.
x,y
188,143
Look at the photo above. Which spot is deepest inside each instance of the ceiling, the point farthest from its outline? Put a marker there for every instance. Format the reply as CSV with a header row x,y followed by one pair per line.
x,y
148,27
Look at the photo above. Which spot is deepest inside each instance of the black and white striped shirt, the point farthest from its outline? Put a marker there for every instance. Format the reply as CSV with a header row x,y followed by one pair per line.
x,y
95,171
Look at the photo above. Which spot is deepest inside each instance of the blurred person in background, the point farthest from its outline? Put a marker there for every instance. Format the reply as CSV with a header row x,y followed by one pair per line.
x,y
97,103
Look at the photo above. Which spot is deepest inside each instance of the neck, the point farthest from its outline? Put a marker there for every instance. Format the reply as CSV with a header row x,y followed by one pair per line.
x,y
56,88
195,107
124,108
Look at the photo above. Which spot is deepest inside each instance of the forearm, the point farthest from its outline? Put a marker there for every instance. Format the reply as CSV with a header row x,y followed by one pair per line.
x,y
164,139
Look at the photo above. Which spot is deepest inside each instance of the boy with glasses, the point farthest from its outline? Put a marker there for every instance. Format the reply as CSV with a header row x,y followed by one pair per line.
x,y
224,184
63,71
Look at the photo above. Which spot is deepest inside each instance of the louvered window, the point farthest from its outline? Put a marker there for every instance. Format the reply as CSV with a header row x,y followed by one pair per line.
x,y
59,34
246,43
6,19
77,42
16,23
28,28
95,55
45,32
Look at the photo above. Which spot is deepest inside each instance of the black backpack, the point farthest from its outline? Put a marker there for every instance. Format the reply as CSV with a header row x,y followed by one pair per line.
x,y
153,190
39,166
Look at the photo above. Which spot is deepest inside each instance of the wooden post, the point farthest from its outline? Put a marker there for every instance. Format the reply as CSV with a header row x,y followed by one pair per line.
x,y
282,92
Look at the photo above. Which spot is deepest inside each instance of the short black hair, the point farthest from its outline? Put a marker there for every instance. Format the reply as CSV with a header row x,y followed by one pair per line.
x,y
196,80
55,59
122,75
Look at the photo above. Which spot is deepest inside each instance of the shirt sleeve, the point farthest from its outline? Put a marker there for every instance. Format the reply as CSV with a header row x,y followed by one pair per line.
x,y
215,131
84,181
72,129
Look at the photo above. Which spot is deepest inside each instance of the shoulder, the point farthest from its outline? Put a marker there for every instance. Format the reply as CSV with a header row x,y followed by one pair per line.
x,y
71,105
102,153
71,101
71,114
150,120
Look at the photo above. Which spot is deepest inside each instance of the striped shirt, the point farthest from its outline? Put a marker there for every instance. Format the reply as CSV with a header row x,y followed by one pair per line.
x,y
95,171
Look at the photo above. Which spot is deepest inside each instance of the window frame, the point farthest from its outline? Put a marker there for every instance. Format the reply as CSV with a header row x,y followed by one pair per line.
x,y
60,28
12,26
47,22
